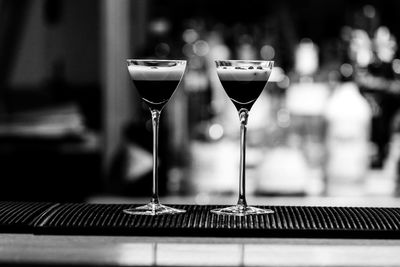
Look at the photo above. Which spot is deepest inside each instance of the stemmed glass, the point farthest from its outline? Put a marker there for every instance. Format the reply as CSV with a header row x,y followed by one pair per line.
x,y
243,81
156,81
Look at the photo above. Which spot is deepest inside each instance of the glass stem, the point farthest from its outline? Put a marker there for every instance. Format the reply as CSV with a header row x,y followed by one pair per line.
x,y
155,118
243,115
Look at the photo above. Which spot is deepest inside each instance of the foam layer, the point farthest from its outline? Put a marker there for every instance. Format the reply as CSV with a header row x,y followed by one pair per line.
x,y
141,73
230,73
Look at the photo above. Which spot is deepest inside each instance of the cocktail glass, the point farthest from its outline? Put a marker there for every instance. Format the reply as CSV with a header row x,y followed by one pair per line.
x,y
243,81
156,81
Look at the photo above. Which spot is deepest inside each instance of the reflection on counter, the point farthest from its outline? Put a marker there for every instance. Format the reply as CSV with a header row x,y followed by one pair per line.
x,y
162,251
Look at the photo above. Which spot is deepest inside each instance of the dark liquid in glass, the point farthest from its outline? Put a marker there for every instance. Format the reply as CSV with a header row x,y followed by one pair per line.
x,y
156,93
243,93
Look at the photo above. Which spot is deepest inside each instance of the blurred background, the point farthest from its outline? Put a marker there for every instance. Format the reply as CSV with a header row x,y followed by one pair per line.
x,y
72,126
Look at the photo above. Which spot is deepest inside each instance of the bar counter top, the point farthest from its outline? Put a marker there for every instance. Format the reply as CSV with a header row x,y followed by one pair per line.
x,y
30,250
90,250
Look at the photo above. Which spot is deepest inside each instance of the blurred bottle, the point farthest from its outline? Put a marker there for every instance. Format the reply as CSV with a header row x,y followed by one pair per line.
x,y
348,117
301,130
306,59
212,151
176,158
377,83
306,102
197,87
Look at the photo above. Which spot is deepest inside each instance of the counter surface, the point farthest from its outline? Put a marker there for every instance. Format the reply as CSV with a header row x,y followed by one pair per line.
x,y
38,249
167,251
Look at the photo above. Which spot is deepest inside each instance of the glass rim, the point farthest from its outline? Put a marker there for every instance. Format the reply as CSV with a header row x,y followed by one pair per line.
x,y
244,60
158,60
265,64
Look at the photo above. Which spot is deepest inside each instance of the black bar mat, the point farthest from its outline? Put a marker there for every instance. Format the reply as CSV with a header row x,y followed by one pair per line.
x,y
20,217
287,221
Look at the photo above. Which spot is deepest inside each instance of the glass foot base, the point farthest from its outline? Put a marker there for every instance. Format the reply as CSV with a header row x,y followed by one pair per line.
x,y
153,209
241,211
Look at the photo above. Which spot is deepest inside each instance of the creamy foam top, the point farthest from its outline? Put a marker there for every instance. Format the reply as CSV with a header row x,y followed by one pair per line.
x,y
145,73
231,73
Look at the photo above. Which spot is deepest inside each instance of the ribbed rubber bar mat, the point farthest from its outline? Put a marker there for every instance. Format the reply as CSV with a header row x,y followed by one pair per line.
x,y
287,221
20,217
